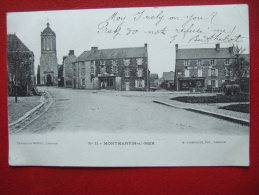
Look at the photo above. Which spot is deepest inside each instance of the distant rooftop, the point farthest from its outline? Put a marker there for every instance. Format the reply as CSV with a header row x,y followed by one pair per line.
x,y
168,76
199,53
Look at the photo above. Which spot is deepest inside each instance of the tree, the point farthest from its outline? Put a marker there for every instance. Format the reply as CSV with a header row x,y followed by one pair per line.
x,y
238,64
240,68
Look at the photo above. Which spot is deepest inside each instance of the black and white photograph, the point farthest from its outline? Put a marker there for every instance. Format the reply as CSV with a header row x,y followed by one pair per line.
x,y
129,87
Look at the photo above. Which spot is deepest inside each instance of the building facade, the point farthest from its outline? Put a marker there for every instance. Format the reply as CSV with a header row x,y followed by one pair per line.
x,y
168,80
20,61
48,60
203,68
117,69
68,68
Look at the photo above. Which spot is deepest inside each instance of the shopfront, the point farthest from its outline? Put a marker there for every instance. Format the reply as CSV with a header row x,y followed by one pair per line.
x,y
107,82
186,84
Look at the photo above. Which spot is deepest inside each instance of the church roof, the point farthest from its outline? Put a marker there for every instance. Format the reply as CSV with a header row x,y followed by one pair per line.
x,y
48,31
104,54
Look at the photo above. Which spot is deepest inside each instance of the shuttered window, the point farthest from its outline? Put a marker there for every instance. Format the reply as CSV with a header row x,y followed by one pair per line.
x,y
199,72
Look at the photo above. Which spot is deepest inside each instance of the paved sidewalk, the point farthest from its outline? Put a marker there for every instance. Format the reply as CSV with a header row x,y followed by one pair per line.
x,y
19,109
210,108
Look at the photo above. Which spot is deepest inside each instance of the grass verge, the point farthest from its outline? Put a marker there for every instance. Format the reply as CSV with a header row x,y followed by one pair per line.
x,y
237,107
213,99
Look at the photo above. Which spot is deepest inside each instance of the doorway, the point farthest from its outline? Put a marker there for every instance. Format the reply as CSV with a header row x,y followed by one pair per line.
x,y
49,80
107,83
127,85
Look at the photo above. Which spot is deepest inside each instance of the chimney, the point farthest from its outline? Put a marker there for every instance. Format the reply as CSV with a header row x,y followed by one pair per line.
x,y
230,49
176,47
217,46
71,52
94,49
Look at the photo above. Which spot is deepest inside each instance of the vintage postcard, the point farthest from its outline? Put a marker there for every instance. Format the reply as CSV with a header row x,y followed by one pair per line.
x,y
129,87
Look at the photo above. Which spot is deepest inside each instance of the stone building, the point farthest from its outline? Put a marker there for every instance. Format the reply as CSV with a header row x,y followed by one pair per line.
x,y
20,64
203,68
48,60
168,80
68,68
118,69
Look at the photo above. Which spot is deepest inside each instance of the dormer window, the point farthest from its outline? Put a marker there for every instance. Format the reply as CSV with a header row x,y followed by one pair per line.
x,y
212,62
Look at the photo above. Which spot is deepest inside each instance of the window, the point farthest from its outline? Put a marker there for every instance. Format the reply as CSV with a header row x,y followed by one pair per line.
x,y
74,69
186,62
126,62
214,72
139,83
212,62
213,83
187,73
114,66
92,70
83,82
109,82
127,73
83,71
102,69
228,72
139,61
139,72
199,72
227,61
102,63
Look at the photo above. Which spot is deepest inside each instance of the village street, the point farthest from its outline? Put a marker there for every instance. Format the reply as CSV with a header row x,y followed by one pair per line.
x,y
118,112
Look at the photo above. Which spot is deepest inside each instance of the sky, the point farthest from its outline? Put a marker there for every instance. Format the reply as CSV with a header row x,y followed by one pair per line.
x,y
160,27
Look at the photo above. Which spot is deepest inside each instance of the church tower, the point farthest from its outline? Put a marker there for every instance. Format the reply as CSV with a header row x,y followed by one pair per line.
x,y
48,59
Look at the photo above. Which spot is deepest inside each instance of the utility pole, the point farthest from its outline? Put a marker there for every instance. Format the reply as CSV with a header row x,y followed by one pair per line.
x,y
15,80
